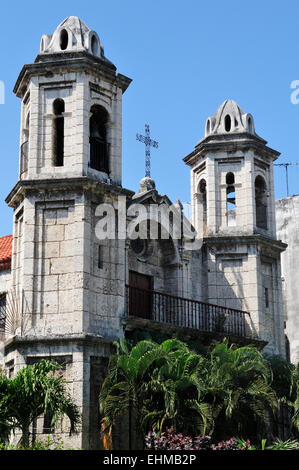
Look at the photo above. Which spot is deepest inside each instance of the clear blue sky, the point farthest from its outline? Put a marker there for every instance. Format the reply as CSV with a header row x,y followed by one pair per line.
x,y
185,58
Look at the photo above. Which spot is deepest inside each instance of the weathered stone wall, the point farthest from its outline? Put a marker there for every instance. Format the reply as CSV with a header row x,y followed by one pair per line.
x,y
287,219
5,281
84,360
52,256
104,285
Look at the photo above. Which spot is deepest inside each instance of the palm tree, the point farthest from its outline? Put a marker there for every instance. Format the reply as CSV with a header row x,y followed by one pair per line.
x,y
295,395
236,382
223,393
157,385
177,391
5,422
286,386
35,390
125,388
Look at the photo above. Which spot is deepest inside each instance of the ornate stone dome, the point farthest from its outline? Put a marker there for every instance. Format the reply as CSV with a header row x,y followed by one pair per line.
x,y
72,35
229,118
147,184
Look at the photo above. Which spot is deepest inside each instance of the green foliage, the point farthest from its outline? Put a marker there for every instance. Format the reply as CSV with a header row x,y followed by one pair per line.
x,y
49,444
282,372
285,383
223,392
284,445
295,391
277,445
33,391
236,382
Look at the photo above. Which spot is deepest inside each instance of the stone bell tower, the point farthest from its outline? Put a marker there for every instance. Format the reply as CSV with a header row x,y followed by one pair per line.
x,y
233,210
70,285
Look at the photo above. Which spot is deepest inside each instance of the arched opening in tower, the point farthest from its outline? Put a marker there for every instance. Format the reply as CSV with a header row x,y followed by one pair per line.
x,y
261,203
24,146
230,200
98,145
58,132
203,203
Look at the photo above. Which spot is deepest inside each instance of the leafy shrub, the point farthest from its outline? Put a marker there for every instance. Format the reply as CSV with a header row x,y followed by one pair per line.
x,y
35,390
202,443
49,444
170,440
231,444
285,445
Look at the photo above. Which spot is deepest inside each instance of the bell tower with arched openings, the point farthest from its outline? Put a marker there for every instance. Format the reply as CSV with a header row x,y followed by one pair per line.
x,y
68,284
71,118
233,209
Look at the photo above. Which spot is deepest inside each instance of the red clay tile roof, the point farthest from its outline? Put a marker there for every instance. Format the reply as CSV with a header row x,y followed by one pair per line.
x,y
5,252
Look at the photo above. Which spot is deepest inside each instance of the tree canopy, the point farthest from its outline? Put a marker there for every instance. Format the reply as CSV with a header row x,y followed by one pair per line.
x,y
228,391
34,391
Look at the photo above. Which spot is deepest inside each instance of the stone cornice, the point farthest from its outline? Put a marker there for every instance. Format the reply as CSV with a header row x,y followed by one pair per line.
x,y
70,62
256,238
76,338
230,143
62,184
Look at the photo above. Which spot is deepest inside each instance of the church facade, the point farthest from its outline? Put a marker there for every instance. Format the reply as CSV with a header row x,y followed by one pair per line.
x,y
91,262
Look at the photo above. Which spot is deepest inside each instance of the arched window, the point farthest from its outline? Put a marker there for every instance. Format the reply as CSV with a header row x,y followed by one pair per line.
x,y
227,123
94,45
261,202
24,146
27,123
230,199
208,126
250,126
203,200
99,147
58,132
64,40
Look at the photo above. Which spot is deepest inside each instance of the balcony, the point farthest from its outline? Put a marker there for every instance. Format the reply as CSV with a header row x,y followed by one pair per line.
x,y
148,309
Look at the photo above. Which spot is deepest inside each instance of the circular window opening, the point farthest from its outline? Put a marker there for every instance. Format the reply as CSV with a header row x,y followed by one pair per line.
x,y
227,123
138,245
142,248
64,39
94,45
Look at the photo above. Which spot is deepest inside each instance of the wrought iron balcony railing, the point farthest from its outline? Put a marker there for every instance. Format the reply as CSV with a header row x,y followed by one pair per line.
x,y
186,313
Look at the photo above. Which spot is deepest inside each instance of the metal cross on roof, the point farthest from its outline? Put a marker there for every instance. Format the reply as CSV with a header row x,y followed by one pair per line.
x,y
148,144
